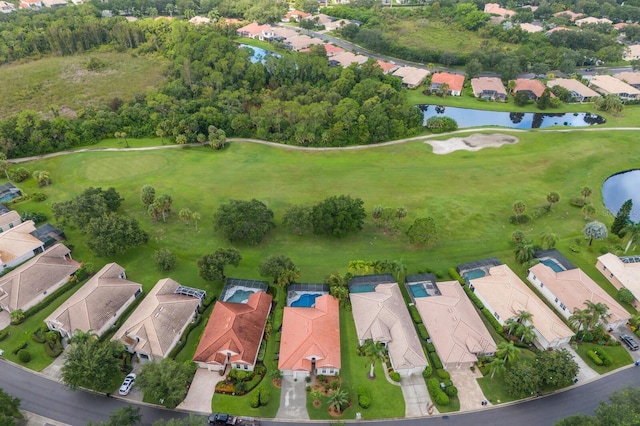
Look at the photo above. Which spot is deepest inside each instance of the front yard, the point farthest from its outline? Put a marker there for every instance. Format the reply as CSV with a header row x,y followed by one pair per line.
x,y
618,353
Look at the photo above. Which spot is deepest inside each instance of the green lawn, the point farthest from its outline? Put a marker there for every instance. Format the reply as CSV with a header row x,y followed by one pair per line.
x,y
619,354
64,81
494,391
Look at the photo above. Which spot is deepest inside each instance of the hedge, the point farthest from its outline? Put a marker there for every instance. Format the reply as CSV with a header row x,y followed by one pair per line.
x,y
437,395
456,276
395,376
185,336
443,374
451,391
53,351
422,331
364,397
427,372
262,352
4,334
265,396
473,298
605,357
38,335
20,347
435,360
431,347
415,315
277,319
594,357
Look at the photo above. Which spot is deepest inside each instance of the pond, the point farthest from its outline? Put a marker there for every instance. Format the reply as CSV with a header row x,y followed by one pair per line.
x,y
517,120
257,54
621,187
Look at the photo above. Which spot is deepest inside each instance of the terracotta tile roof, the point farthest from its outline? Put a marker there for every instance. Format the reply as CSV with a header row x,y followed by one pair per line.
x,y
158,320
382,315
592,20
236,328
311,333
507,294
387,67
573,85
531,28
632,78
571,15
496,9
534,86
609,84
18,241
481,84
573,287
297,14
35,277
553,30
631,52
283,32
454,326
347,58
302,41
411,76
96,302
253,28
627,273
332,49
455,81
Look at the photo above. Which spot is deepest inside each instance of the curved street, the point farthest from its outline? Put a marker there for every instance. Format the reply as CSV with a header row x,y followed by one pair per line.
x,y
53,400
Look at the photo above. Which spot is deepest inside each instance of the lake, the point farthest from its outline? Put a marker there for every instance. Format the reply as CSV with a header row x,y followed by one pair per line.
x,y
259,54
517,120
621,187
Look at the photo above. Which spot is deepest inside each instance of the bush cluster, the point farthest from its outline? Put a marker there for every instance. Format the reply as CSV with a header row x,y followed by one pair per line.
x,y
20,347
435,360
277,319
260,398
4,334
605,357
415,315
456,276
24,356
594,357
262,352
39,196
422,331
395,376
451,391
577,202
431,347
364,397
437,395
427,372
443,374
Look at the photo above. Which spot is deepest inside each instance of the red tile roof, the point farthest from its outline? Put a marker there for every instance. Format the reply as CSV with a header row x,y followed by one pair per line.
x,y
311,333
387,67
455,81
236,328
534,86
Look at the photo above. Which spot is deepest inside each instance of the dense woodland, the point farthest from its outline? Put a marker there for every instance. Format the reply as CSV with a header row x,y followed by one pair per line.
x,y
297,98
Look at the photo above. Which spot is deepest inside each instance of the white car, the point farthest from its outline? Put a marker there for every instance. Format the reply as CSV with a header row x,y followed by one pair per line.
x,y
126,386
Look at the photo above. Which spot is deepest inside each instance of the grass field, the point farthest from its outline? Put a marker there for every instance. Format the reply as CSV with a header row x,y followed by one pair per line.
x,y
65,83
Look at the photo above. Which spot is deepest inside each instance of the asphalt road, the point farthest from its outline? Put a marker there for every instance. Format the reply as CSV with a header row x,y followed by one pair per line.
x,y
52,400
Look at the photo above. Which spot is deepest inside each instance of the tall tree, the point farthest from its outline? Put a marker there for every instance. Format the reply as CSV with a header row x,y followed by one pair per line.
x,y
91,364
622,218
586,192
112,234
147,195
497,365
522,379
525,251
423,231
297,219
163,204
244,221
549,238
375,352
595,231
632,231
598,313
579,319
90,204
166,381
338,216
556,368
185,215
211,266
518,209
9,409
125,416
4,165
281,268
589,211
552,198
623,408
508,352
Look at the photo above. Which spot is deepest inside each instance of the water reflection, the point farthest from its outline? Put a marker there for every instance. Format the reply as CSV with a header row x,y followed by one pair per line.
x,y
621,187
518,120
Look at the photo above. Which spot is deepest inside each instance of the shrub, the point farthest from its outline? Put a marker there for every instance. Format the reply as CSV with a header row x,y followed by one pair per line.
x,y
364,397
435,361
441,124
577,202
451,391
442,398
38,335
38,196
594,357
20,174
17,316
262,352
427,372
415,315
520,220
265,396
164,259
443,374
605,357
277,319
395,376
24,356
4,334
456,276
431,347
20,347
54,350
422,331
255,400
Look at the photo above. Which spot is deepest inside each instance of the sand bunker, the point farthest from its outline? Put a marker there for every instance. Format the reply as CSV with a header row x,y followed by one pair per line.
x,y
473,142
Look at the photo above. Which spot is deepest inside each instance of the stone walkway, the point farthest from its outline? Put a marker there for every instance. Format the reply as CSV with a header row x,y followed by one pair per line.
x,y
293,399
201,391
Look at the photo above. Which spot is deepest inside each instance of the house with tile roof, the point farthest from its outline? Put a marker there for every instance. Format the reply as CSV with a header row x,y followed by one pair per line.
x,y
381,314
569,14
489,88
631,78
622,272
6,7
30,4
412,77
570,289
455,82
631,52
531,28
387,67
592,20
496,9
17,245
533,88
254,30
344,59
33,281
579,91
608,85
556,29
504,295
155,327
455,327
296,15
9,219
234,334
301,41
311,339
97,305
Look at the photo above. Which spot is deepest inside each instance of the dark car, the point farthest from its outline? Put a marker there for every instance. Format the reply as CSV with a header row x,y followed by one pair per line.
x,y
221,419
631,344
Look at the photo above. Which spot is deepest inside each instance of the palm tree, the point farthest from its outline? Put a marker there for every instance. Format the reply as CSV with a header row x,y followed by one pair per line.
x,y
525,251
579,318
374,351
508,352
339,399
599,312
196,217
497,366
398,267
526,333
518,208
42,176
315,396
586,193
632,231
524,317
511,325
185,215
124,136
552,198
588,210
549,238
517,236
341,293
161,133
4,165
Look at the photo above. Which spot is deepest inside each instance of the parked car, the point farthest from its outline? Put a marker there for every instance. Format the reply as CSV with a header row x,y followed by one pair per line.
x,y
222,419
631,344
126,386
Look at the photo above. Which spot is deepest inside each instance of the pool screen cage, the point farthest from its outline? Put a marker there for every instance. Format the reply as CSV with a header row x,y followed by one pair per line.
x,y
236,282
630,259
420,278
484,264
310,287
371,280
555,255
190,291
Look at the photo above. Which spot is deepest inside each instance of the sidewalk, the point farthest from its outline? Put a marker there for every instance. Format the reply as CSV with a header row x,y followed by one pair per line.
x,y
36,420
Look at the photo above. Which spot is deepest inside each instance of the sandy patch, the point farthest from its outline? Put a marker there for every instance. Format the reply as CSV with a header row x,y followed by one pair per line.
x,y
473,142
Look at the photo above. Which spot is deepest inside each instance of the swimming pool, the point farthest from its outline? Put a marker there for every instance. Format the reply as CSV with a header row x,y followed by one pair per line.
x,y
418,290
472,275
552,264
306,300
362,288
239,296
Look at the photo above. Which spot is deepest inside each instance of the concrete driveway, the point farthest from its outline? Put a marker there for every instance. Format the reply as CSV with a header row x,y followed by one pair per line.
x,y
624,330
201,391
469,391
585,373
293,400
416,396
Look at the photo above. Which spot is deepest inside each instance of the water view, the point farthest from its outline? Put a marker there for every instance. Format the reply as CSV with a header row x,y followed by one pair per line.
x,y
621,187
258,54
517,120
